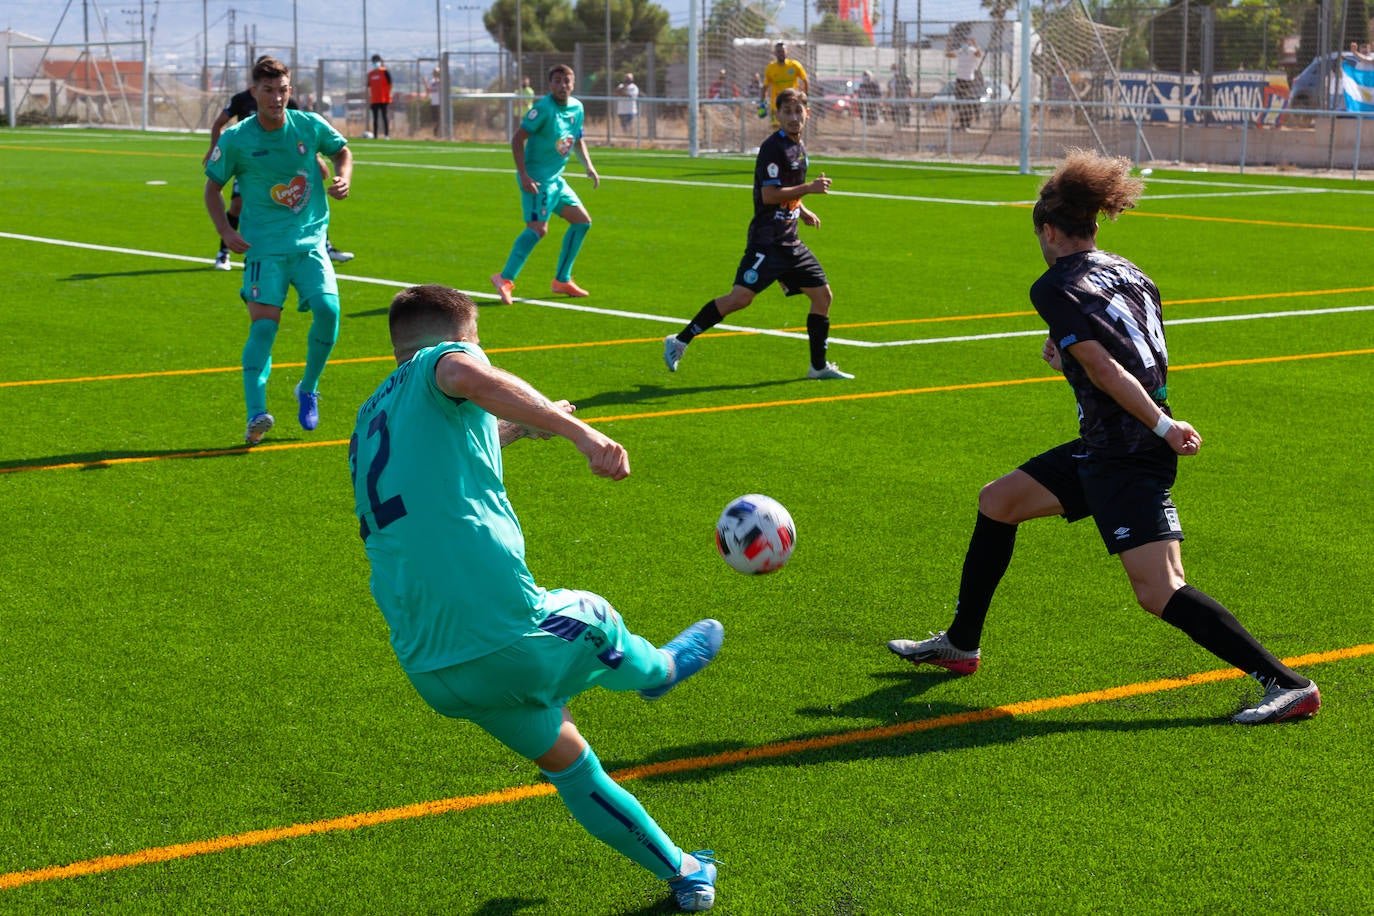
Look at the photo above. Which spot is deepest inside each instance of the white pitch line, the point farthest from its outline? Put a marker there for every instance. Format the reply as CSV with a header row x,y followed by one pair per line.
x,y
398,284
668,319
1253,316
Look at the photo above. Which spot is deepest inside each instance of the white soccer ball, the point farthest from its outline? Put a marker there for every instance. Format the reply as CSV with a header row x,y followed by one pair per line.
x,y
755,534
367,135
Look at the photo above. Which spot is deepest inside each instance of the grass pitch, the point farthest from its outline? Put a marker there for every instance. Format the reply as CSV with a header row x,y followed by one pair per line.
x,y
201,712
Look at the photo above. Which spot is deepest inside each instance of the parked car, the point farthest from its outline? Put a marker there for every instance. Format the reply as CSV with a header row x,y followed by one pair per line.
x,y
992,92
832,97
1310,93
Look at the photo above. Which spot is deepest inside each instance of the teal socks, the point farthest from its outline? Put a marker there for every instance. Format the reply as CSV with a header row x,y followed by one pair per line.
x,y
324,331
572,244
519,252
614,816
257,364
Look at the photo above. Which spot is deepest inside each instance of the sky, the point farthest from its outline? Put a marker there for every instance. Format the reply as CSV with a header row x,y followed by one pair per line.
x,y
396,29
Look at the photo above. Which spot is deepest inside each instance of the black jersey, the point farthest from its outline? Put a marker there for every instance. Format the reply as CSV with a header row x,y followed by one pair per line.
x,y
243,106
781,163
1096,295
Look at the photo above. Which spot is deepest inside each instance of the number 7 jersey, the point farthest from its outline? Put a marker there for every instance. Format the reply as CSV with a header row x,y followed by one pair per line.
x,y
447,552
1097,295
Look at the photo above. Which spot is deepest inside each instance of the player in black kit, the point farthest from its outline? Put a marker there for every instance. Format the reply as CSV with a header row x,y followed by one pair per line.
x,y
1106,334
774,251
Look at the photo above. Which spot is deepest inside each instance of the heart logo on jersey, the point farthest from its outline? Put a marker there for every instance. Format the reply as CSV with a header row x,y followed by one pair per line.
x,y
291,195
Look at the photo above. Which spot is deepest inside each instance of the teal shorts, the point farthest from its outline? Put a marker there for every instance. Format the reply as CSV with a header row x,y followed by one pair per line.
x,y
553,196
517,694
266,280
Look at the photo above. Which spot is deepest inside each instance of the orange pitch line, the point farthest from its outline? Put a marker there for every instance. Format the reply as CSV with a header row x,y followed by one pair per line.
x,y
689,411
777,749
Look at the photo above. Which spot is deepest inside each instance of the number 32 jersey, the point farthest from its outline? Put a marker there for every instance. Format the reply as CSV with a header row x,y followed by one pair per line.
x,y
447,552
1097,295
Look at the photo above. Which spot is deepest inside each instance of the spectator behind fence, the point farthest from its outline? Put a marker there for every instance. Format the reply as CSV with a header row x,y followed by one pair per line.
x,y
968,59
436,89
721,88
900,90
627,106
869,92
379,97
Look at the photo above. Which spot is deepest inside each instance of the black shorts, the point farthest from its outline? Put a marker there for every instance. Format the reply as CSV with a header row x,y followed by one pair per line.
x,y
1128,497
794,268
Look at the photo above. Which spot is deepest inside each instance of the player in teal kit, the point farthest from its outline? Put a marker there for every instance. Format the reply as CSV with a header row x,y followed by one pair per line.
x,y
548,133
474,633
285,220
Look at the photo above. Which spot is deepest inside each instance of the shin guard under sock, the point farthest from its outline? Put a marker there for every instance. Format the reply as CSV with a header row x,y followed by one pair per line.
x,y
567,254
614,816
257,364
324,331
707,318
818,333
519,253
989,553
1216,629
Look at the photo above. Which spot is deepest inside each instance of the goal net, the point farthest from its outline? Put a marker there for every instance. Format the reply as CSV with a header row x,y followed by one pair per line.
x,y
1079,65
103,83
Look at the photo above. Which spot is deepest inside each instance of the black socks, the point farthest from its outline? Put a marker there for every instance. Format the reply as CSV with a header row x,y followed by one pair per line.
x,y
989,554
1217,630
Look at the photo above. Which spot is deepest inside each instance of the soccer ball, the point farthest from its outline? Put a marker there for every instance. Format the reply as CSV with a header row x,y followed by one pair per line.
x,y
367,135
755,534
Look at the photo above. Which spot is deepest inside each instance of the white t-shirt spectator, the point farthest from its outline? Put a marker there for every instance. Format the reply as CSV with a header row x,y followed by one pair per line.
x,y
627,106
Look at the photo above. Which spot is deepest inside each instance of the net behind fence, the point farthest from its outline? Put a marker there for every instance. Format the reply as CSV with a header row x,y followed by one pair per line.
x,y
1187,81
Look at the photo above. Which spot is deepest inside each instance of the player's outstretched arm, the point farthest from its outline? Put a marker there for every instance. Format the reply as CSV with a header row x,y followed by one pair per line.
x,y
1109,376
509,397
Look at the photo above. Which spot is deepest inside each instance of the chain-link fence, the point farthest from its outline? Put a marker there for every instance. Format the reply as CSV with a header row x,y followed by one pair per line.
x,y
1189,82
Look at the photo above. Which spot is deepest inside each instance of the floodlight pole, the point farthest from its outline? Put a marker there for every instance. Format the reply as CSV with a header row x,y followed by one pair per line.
x,y
610,105
205,46
1023,11
693,85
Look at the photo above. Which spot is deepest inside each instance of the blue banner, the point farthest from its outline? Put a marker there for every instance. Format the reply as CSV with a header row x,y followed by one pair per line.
x,y
1154,96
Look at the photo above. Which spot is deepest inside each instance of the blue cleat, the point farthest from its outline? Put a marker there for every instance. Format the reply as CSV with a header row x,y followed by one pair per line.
x,y
258,425
690,651
309,414
697,892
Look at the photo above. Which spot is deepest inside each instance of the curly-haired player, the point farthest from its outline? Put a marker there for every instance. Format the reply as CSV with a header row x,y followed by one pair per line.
x,y
1106,334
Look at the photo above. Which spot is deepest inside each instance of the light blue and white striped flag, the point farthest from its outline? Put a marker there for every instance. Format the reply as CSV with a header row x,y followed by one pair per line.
x,y
1358,84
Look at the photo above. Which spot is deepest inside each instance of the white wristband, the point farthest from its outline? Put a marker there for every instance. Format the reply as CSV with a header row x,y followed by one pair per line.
x,y
1164,425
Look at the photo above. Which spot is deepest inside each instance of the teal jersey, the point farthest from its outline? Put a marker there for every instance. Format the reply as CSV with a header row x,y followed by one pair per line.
x,y
447,552
552,129
285,209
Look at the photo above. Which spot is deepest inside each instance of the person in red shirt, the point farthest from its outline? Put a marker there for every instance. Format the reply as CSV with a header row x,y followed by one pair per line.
x,y
379,97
